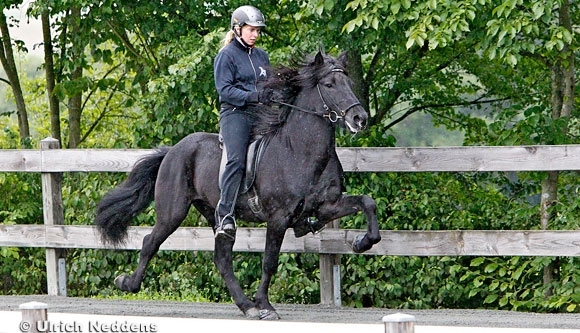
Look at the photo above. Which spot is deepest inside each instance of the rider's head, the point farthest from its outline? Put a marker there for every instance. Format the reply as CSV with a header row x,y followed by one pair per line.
x,y
246,23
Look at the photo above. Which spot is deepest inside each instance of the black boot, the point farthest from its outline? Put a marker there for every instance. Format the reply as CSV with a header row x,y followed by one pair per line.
x,y
307,225
225,226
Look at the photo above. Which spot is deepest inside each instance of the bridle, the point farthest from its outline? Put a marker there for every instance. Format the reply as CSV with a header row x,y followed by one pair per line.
x,y
332,115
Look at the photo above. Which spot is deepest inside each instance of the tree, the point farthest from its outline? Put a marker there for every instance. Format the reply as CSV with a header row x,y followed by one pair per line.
x,y
9,65
50,76
517,33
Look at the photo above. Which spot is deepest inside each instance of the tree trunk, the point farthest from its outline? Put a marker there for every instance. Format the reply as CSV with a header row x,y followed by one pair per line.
x,y
9,65
562,103
549,197
50,78
356,73
75,101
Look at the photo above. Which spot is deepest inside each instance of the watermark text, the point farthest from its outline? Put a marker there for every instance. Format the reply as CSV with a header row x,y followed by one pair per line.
x,y
90,326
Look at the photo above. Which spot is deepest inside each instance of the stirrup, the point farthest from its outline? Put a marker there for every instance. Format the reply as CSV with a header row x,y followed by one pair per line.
x,y
311,225
226,228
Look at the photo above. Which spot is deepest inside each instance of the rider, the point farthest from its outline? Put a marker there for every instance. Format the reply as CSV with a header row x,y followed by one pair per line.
x,y
240,69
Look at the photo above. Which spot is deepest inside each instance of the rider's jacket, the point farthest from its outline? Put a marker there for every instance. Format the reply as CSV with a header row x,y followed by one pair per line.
x,y
238,71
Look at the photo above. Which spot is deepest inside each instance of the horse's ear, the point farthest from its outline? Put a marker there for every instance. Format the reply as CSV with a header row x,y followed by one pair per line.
x,y
343,59
321,48
319,59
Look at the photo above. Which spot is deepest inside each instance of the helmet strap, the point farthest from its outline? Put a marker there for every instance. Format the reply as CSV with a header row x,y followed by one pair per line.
x,y
241,40
237,31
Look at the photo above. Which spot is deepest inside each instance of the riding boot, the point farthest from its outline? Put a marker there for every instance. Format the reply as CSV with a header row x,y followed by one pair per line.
x,y
307,225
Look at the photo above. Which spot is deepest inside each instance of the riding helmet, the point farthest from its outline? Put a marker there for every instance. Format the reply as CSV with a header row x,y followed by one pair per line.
x,y
249,15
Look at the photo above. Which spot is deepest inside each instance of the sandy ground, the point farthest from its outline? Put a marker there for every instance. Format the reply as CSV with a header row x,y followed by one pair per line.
x,y
296,313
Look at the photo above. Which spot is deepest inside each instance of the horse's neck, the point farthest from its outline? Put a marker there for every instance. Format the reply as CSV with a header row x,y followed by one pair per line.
x,y
311,130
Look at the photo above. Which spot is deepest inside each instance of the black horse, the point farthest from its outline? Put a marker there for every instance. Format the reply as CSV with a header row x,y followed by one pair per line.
x,y
300,176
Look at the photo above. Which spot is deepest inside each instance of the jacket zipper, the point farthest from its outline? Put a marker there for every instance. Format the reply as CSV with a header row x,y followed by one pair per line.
x,y
254,69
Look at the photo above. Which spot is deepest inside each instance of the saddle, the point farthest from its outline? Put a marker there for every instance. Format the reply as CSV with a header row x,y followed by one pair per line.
x,y
256,149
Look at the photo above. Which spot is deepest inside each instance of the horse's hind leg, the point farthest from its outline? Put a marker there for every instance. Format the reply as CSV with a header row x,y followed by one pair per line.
x,y
151,244
171,205
223,259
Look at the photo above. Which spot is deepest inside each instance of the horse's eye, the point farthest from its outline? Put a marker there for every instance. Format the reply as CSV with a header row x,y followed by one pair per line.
x,y
328,85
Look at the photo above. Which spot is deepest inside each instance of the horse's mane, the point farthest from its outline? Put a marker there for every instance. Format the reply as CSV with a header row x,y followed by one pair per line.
x,y
286,83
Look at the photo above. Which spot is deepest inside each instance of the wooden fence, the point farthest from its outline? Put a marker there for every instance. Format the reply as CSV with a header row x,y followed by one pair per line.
x,y
51,162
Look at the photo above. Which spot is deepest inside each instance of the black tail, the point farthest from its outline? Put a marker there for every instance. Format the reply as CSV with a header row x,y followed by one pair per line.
x,y
120,205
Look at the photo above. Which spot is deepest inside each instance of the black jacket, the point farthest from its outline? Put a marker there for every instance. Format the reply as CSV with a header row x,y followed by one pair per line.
x,y
238,71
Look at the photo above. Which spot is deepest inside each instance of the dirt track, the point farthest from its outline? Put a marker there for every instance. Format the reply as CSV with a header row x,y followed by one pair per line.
x,y
303,313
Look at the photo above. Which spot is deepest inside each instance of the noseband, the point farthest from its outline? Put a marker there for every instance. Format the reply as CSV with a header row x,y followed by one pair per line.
x,y
332,115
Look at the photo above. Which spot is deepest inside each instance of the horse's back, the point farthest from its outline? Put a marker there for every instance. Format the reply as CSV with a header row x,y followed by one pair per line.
x,y
194,161
198,142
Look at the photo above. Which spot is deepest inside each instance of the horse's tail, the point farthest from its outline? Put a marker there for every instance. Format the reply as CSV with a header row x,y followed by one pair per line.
x,y
120,205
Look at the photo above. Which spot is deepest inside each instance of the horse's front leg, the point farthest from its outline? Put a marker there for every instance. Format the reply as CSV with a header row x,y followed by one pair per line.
x,y
223,259
274,237
349,205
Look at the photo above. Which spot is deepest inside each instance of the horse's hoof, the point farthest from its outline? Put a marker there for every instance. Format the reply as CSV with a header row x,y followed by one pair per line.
x,y
266,314
119,281
252,313
358,245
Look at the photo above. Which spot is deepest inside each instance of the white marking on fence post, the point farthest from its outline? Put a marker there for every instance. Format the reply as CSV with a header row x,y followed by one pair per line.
x,y
33,313
61,277
399,323
336,285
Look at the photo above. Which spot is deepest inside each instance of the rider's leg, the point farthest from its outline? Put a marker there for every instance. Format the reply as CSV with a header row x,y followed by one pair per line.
x,y
235,130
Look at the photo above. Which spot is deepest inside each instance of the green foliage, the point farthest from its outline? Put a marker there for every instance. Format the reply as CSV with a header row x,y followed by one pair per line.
x,y
531,126
22,271
296,281
182,100
395,282
514,282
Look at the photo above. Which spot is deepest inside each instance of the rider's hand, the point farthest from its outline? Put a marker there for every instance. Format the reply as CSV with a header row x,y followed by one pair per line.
x,y
262,96
265,96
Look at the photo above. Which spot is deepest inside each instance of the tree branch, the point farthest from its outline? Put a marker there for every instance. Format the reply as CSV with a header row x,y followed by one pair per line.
x,y
415,109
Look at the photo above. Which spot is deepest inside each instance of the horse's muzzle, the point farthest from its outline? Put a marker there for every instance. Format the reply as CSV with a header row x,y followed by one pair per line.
x,y
356,119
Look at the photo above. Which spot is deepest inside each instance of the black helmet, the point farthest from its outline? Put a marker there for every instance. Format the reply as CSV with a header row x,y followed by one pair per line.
x,y
249,15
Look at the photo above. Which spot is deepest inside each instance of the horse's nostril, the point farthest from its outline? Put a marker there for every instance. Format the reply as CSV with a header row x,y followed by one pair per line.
x,y
360,121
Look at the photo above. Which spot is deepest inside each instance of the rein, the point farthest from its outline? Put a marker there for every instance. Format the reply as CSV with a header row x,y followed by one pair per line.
x,y
332,115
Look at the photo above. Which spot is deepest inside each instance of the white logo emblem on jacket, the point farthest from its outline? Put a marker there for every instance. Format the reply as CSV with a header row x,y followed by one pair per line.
x,y
263,72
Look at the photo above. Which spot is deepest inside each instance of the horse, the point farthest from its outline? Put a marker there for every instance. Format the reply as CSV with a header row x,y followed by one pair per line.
x,y
299,176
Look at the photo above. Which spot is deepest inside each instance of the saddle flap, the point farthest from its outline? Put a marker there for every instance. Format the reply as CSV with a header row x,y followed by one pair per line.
x,y
254,154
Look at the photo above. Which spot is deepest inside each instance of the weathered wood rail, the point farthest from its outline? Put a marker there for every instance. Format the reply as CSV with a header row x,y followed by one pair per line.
x,y
53,235
330,241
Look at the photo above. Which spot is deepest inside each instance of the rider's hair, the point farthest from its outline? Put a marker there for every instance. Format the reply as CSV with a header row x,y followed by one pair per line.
x,y
230,35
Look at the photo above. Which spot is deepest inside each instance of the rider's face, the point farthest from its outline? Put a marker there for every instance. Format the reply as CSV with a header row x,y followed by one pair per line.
x,y
250,34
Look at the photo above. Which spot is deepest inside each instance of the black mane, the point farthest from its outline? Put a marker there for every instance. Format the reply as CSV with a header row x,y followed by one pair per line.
x,y
287,82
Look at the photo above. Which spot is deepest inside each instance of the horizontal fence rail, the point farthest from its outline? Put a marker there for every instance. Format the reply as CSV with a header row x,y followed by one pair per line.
x,y
53,235
330,241
519,158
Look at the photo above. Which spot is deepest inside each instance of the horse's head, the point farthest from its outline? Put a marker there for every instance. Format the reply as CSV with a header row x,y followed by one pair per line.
x,y
318,85
335,89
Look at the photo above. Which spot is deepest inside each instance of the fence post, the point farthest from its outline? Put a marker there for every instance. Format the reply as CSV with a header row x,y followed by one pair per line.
x,y
399,323
32,314
53,215
330,275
